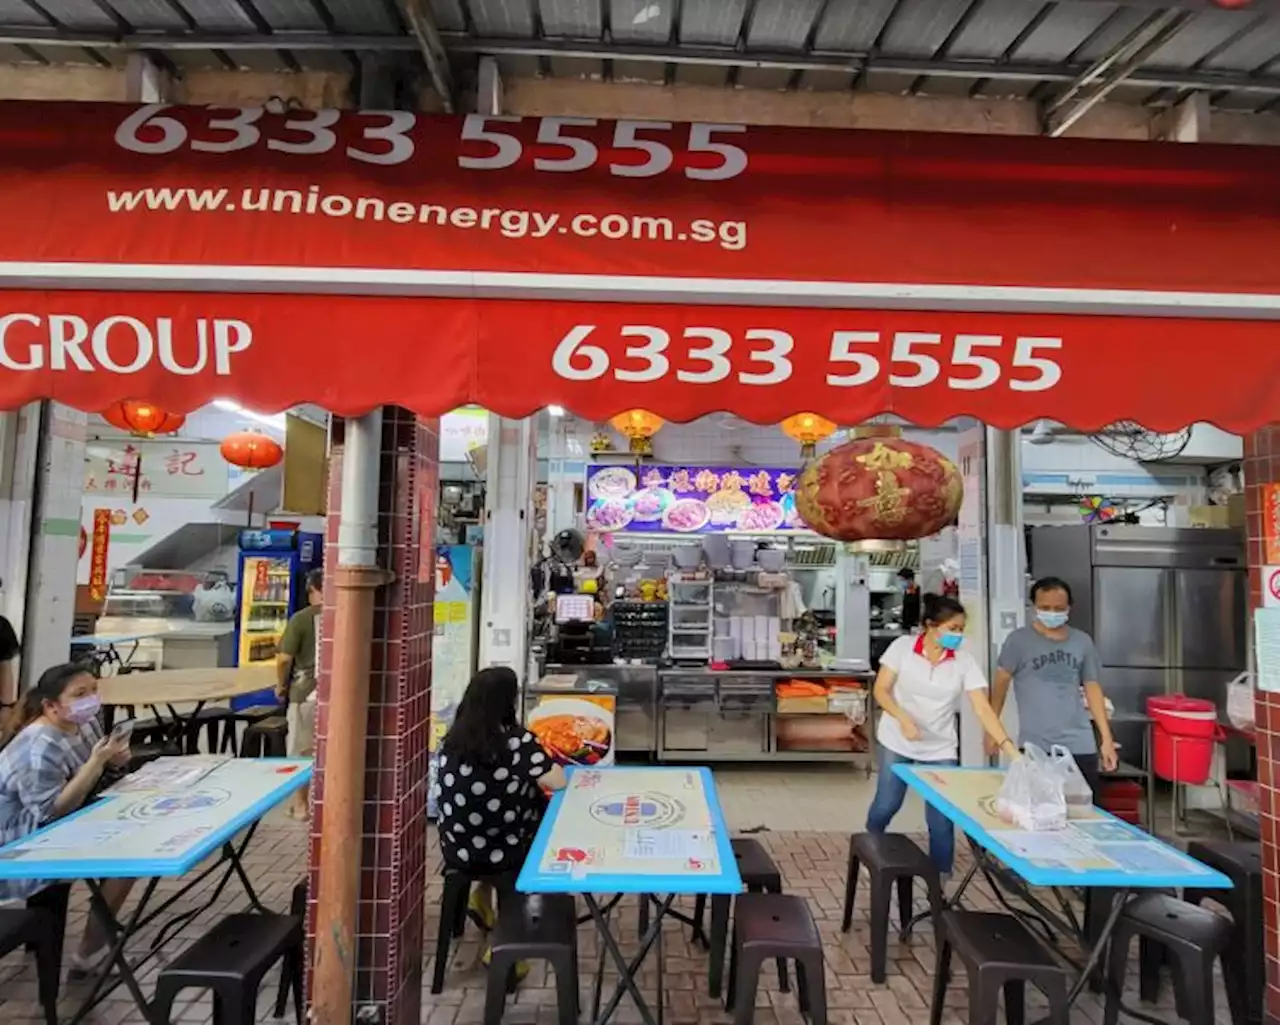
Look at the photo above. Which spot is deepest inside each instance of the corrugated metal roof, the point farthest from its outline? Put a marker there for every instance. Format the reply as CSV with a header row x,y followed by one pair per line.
x,y
958,47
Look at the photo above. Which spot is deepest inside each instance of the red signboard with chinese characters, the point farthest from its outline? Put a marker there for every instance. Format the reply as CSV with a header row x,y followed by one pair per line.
x,y
98,554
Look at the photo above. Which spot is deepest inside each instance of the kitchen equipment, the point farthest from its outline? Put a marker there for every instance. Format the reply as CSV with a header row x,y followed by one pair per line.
x,y
690,619
688,556
725,649
717,549
743,554
639,629
771,560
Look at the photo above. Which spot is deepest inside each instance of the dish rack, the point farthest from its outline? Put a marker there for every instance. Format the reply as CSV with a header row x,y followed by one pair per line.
x,y
640,629
689,620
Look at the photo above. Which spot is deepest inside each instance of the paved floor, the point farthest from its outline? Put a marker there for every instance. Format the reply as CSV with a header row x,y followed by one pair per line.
x,y
803,816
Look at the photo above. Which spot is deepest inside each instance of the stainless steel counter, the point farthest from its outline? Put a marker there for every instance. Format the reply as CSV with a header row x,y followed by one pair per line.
x,y
706,714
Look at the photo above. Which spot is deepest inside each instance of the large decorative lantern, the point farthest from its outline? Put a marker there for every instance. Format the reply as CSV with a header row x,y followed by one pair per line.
x,y
251,450
879,486
808,429
638,426
142,419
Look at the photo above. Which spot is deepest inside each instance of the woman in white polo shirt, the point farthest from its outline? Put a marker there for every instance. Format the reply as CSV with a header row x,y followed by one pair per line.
x,y
918,688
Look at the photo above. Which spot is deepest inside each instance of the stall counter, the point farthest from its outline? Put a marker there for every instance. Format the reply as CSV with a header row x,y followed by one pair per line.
x,y
739,715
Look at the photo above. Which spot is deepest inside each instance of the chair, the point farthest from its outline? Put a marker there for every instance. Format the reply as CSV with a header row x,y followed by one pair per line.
x,y
231,959
249,716
890,858
298,908
775,925
211,720
39,927
1000,954
1191,938
1242,864
266,738
453,913
759,875
534,927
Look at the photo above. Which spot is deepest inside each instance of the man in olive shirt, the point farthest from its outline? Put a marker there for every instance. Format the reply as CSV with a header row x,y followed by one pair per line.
x,y
296,679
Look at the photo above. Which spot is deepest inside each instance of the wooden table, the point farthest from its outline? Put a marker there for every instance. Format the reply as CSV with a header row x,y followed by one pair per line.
x,y
185,686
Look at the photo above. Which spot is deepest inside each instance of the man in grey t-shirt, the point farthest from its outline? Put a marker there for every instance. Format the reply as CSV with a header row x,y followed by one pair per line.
x,y
1049,665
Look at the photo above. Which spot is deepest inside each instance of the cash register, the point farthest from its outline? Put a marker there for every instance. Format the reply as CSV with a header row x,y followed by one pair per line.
x,y
576,638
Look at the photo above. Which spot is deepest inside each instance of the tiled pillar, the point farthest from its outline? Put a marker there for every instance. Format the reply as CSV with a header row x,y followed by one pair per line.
x,y
392,849
1262,468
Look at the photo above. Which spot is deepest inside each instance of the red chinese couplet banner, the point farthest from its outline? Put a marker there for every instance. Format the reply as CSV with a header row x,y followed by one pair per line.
x,y
98,554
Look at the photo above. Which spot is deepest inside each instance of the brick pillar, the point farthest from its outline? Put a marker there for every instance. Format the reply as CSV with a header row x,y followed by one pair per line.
x,y
392,851
1262,467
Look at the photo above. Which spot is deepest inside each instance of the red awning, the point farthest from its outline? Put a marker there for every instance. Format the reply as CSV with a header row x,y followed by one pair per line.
x,y
349,354
366,258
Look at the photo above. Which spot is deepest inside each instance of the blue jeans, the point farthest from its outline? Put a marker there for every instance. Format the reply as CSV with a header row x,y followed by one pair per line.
x,y
891,791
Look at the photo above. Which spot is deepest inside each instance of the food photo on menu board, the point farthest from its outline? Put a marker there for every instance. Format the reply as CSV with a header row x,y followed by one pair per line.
x,y
691,499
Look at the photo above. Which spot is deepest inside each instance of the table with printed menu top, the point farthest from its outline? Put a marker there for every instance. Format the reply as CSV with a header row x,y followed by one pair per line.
x,y
161,822
643,830
1095,852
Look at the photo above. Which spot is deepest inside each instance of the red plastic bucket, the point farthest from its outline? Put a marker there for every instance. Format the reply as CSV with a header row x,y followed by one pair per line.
x,y
1184,734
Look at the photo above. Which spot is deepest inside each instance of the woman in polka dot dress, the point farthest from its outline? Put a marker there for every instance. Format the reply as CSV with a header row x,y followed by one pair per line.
x,y
491,775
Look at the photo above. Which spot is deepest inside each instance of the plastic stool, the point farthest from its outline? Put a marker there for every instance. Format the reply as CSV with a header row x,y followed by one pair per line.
x,y
890,858
1242,864
775,925
231,959
1000,954
759,875
1189,936
535,927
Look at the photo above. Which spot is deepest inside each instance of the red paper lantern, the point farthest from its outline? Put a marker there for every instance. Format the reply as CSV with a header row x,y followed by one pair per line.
x,y
143,419
251,450
879,487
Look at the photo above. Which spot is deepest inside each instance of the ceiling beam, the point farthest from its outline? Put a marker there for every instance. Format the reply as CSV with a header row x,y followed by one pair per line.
x,y
821,60
1120,65
422,26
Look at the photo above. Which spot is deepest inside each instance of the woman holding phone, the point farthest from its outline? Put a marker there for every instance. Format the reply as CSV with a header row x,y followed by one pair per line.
x,y
918,689
49,769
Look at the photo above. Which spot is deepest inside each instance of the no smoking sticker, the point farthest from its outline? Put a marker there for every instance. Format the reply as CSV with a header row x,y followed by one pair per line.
x,y
1271,586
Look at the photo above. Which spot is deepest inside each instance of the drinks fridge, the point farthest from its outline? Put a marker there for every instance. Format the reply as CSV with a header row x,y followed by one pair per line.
x,y
273,568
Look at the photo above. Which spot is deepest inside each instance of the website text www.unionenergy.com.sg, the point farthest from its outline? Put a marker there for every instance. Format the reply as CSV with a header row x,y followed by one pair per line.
x,y
509,223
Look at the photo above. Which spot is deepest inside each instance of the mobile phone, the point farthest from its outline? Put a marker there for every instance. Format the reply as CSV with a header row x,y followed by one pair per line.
x,y
122,731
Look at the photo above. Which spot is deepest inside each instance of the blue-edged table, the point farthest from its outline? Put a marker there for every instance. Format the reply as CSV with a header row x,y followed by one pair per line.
x,y
1107,858
653,831
160,823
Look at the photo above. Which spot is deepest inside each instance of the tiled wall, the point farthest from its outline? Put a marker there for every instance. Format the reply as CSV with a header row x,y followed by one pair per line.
x,y
393,851
1261,467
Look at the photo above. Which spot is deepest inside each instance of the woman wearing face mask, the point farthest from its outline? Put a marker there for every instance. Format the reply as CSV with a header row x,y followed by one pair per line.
x,y
919,686
1048,664
49,770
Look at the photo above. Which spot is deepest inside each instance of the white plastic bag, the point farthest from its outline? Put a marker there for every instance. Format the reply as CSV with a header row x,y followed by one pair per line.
x,y
1240,702
1031,796
1075,788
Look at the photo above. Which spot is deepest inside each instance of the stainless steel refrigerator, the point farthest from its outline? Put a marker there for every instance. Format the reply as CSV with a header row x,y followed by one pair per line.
x,y
1167,608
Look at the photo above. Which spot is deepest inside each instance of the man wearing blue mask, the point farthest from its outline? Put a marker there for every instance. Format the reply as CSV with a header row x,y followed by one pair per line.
x,y
1049,664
